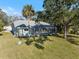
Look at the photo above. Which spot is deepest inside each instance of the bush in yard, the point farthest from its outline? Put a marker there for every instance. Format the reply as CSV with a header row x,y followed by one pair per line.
x,y
1,25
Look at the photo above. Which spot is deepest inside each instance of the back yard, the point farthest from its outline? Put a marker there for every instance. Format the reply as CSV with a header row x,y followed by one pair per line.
x,y
53,48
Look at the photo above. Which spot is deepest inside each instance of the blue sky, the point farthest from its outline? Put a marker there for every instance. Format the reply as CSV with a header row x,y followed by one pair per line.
x,y
14,7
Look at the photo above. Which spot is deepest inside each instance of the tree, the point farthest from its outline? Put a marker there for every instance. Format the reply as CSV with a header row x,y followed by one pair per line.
x,y
41,16
3,17
28,11
60,12
1,25
75,21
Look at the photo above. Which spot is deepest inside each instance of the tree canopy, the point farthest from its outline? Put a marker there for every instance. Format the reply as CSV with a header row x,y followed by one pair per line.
x,y
28,11
61,12
3,19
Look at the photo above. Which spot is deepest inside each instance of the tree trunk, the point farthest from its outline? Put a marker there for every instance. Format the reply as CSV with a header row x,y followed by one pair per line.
x,y
65,31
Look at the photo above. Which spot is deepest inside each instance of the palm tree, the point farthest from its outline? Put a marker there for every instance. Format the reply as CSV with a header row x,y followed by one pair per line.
x,y
28,11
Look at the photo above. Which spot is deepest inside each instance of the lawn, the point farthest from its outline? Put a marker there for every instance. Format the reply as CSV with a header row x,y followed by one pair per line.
x,y
52,48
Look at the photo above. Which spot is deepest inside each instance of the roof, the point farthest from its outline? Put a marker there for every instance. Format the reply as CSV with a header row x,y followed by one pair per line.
x,y
21,22
44,23
27,23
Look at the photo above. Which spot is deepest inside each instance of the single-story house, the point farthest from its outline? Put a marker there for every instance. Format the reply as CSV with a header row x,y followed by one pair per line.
x,y
24,28
7,28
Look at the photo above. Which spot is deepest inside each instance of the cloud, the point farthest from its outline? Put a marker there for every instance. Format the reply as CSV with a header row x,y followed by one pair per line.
x,y
11,11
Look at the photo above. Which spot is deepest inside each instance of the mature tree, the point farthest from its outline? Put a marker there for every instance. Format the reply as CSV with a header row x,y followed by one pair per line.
x,y
75,21
3,17
28,11
60,12
41,16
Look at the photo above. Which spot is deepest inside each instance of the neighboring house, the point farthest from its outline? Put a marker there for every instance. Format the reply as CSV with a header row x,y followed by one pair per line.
x,y
7,28
23,28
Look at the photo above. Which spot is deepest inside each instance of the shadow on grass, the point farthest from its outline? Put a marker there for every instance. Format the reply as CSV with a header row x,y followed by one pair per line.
x,y
73,36
39,46
28,41
41,39
59,36
38,43
73,41
1,34
70,38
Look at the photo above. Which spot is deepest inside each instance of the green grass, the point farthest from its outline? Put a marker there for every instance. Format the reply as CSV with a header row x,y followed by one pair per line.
x,y
53,48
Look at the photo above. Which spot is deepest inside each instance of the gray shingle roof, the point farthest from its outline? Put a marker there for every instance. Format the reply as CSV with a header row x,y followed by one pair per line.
x,y
20,22
27,23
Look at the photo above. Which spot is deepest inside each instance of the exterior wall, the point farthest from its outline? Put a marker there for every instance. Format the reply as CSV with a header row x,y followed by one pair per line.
x,y
46,30
22,32
33,31
7,28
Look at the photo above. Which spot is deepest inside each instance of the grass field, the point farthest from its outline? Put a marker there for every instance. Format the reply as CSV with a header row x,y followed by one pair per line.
x,y
53,48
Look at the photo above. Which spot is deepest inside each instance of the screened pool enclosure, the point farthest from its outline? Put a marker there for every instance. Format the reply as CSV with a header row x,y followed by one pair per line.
x,y
35,30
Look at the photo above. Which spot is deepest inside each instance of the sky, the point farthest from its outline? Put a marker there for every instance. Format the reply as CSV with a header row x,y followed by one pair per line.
x,y
14,7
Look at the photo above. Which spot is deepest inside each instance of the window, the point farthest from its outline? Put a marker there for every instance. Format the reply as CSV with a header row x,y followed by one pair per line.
x,y
26,29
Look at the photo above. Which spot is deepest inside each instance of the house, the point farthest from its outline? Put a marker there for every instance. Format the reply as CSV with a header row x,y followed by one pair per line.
x,y
7,28
25,28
